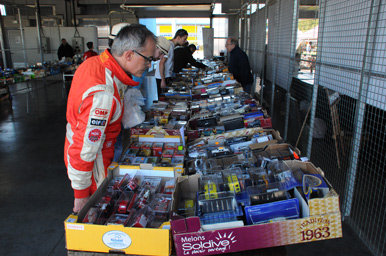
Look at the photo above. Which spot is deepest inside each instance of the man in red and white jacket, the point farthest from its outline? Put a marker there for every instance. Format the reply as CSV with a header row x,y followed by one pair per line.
x,y
95,107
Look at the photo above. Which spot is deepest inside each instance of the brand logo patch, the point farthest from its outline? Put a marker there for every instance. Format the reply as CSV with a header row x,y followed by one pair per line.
x,y
101,112
94,135
116,239
98,122
195,244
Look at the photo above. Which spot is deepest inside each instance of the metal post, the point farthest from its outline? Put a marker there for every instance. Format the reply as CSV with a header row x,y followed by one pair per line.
x,y
247,29
38,26
241,34
22,37
2,43
291,64
316,77
367,62
263,70
276,60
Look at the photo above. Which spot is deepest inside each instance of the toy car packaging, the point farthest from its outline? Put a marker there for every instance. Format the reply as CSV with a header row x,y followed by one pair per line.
x,y
129,183
139,218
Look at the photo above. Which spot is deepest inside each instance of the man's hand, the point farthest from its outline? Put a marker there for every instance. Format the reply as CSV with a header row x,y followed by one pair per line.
x,y
79,203
163,83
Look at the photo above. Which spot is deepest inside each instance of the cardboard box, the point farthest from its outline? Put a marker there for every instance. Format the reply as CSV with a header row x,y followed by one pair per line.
x,y
279,151
315,224
158,130
245,132
117,238
148,139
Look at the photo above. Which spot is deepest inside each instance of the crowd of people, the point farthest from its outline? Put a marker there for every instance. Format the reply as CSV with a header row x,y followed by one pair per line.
x,y
95,102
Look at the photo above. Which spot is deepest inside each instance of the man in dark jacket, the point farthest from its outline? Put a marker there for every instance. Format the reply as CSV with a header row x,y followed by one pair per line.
x,y
65,50
184,55
238,64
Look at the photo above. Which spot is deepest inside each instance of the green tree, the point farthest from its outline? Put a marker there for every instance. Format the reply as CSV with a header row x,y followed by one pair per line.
x,y
307,24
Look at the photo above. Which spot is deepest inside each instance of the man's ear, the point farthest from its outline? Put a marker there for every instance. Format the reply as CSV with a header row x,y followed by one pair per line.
x,y
128,55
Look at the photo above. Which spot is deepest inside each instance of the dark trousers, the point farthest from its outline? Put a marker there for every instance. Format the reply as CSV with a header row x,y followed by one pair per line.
x,y
247,88
159,89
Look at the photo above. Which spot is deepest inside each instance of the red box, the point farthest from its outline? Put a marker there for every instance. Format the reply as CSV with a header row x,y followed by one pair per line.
x,y
157,148
266,123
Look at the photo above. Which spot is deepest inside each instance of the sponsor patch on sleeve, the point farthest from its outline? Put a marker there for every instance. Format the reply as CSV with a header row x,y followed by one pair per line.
x,y
94,135
98,122
100,112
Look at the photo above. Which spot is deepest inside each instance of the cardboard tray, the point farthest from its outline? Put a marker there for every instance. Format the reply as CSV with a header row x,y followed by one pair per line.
x,y
244,132
178,169
116,238
158,130
322,220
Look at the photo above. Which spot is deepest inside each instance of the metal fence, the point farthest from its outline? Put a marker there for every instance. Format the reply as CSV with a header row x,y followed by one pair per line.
x,y
336,114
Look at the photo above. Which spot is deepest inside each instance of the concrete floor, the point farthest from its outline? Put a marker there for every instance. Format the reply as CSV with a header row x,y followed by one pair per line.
x,y
35,193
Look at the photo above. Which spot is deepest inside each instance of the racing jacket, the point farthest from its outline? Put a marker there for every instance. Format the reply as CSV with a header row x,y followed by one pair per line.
x,y
94,113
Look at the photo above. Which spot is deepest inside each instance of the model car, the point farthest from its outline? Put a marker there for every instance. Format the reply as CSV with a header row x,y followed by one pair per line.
x,y
221,151
144,200
255,123
132,184
235,140
122,207
106,203
162,205
210,190
233,183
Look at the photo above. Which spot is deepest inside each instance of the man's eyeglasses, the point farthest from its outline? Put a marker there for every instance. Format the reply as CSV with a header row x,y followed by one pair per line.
x,y
148,59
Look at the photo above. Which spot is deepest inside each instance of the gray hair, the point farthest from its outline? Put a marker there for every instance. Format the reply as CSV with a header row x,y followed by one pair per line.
x,y
131,37
234,41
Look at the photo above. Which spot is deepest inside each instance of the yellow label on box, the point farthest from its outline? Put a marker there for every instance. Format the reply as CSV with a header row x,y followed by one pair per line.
x,y
101,238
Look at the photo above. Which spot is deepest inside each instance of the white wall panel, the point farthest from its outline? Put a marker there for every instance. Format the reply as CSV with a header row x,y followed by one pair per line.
x,y
55,34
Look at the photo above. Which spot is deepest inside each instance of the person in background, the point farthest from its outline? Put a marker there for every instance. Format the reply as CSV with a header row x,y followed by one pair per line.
x,y
65,50
95,107
183,56
238,64
162,49
296,67
192,48
90,52
164,68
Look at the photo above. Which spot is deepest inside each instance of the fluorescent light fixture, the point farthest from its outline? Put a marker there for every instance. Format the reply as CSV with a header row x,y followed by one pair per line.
x,y
159,7
217,8
2,10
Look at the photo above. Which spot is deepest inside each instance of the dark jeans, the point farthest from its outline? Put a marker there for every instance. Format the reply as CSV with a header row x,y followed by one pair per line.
x,y
118,148
247,88
159,89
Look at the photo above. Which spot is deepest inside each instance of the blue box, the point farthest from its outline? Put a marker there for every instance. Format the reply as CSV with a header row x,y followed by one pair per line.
x,y
276,211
